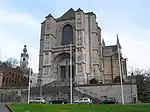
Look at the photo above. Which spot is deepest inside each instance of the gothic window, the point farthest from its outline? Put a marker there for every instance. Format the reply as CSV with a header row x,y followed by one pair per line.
x,y
79,67
67,34
46,61
46,70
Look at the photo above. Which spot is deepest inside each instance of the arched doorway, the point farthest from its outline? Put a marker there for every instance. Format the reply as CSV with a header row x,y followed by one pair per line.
x,y
61,64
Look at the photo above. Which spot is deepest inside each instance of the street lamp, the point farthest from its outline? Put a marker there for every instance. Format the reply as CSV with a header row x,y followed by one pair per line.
x,y
131,86
29,84
41,87
71,73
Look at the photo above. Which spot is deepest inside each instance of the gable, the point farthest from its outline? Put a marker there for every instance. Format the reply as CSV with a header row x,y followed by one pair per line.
x,y
70,14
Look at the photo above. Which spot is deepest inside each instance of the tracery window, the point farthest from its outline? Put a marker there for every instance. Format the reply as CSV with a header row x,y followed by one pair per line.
x,y
67,34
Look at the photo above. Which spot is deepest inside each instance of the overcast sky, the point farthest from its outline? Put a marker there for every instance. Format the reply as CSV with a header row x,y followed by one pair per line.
x,y
20,24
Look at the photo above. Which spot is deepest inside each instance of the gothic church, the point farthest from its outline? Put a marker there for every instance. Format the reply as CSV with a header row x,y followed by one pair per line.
x,y
91,58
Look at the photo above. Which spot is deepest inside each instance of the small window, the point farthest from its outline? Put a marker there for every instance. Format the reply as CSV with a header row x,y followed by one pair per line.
x,y
24,59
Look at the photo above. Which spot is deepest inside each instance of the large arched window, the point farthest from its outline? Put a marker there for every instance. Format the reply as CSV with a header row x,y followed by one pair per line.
x,y
67,34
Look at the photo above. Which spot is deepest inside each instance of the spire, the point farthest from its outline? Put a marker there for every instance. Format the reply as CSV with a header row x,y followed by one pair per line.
x,y
118,43
103,42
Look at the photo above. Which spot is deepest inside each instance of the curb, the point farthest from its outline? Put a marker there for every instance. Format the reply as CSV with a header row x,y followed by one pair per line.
x,y
9,108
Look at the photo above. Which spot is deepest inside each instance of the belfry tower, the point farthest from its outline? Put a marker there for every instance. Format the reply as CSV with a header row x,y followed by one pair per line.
x,y
24,58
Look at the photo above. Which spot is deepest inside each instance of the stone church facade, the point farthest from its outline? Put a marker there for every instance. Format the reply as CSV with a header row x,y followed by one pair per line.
x,y
92,59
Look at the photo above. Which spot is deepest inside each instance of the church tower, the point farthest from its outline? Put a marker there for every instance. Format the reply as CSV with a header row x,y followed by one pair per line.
x,y
24,58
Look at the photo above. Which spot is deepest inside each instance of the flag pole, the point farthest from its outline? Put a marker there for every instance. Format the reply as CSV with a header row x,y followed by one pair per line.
x,y
70,73
120,72
29,86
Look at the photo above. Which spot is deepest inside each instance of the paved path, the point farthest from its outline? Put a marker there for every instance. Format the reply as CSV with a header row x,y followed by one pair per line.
x,y
3,108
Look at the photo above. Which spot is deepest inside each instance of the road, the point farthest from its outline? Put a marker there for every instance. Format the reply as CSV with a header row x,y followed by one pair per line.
x,y
3,108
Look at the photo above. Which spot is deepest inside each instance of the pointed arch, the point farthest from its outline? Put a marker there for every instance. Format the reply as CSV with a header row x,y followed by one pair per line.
x,y
67,34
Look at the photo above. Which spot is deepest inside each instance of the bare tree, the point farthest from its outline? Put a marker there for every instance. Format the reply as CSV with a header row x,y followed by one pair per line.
x,y
142,80
136,71
12,62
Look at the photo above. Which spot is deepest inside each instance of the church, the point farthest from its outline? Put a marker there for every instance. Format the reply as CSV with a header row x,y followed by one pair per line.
x,y
77,32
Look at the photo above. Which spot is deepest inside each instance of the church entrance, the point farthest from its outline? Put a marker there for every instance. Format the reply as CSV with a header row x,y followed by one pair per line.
x,y
61,65
65,73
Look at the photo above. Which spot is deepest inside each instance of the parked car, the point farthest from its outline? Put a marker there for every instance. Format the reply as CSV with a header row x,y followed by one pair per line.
x,y
38,100
58,101
109,100
83,101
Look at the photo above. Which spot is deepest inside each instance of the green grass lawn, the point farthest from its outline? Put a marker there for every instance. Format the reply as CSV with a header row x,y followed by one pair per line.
x,y
79,108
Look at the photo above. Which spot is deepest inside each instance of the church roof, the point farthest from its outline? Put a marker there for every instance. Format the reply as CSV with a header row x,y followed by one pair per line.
x,y
79,10
49,16
70,14
5,68
113,47
90,13
113,51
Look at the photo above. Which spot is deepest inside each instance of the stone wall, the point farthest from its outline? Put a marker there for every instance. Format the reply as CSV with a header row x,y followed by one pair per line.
x,y
113,91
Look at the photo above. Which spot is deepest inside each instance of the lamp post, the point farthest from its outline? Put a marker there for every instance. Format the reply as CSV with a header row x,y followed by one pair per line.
x,y
88,78
120,73
29,85
131,87
41,87
111,60
70,73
